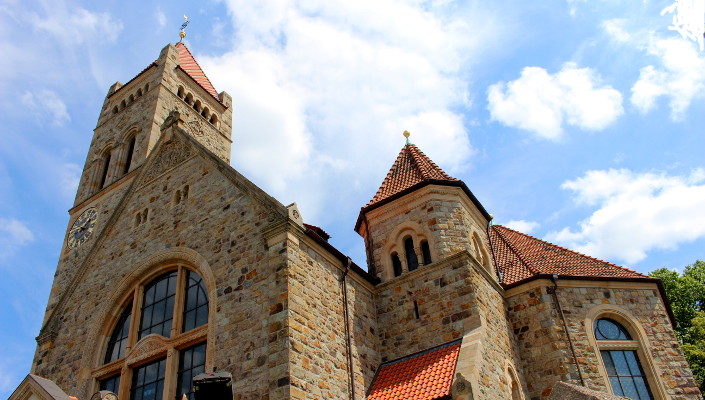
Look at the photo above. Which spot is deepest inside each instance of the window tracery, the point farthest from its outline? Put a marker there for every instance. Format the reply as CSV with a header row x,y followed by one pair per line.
x,y
607,325
624,371
173,308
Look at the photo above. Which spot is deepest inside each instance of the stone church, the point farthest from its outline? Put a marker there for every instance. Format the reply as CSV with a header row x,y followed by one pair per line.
x,y
175,264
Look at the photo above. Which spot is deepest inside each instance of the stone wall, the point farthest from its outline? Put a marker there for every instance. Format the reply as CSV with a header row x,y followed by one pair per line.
x,y
221,220
318,354
545,350
445,214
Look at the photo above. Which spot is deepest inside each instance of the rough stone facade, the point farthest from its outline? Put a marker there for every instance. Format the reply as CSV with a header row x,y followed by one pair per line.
x,y
290,317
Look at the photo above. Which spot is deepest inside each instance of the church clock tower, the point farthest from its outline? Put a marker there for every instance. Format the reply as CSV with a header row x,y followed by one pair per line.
x,y
129,126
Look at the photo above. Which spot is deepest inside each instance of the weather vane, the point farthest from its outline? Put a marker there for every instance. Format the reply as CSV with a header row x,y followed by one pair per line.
x,y
182,34
406,135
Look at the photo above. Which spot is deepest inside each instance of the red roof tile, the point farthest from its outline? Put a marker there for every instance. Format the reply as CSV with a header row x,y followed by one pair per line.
x,y
318,230
520,256
191,67
424,376
411,167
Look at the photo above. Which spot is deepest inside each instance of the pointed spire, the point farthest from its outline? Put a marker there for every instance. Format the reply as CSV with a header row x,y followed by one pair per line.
x,y
191,67
411,168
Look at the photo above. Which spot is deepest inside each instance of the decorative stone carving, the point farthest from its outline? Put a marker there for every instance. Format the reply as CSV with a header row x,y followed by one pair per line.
x,y
172,153
461,389
148,347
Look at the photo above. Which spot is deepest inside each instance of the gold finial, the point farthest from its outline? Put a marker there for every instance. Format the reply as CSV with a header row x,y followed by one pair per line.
x,y
406,135
182,34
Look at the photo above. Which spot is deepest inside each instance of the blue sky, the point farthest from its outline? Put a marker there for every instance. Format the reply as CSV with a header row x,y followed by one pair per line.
x,y
577,121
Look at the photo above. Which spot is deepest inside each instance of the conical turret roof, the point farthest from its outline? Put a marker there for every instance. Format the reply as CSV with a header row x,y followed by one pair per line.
x,y
411,168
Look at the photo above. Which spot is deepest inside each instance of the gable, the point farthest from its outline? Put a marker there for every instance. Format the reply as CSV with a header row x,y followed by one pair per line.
x,y
154,213
34,387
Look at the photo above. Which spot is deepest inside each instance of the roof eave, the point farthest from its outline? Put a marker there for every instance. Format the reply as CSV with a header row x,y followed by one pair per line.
x,y
217,98
340,256
657,281
441,182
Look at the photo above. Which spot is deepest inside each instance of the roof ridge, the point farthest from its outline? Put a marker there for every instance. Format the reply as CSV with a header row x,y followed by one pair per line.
x,y
514,249
569,250
420,169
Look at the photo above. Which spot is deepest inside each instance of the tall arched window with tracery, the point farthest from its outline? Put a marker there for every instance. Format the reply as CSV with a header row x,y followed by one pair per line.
x,y
128,154
172,306
621,361
105,168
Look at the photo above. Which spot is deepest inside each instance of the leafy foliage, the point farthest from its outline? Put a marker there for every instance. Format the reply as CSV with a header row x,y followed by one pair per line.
x,y
695,351
686,293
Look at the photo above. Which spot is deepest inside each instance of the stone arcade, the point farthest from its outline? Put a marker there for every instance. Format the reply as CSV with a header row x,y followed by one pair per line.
x,y
175,264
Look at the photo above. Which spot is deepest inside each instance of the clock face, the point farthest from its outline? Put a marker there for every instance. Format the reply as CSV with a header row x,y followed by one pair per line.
x,y
82,228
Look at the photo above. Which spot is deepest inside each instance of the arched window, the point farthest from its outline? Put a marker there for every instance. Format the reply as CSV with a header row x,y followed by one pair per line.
x,y
619,356
128,156
104,171
426,251
197,106
118,340
123,105
189,99
115,110
131,99
205,113
412,261
173,305
396,264
180,92
214,120
139,92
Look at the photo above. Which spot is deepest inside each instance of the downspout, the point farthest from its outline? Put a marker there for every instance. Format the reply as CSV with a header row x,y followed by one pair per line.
x,y
351,381
565,327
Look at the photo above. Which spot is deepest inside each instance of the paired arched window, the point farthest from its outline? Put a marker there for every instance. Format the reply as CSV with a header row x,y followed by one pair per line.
x,y
396,264
620,359
412,260
407,252
173,305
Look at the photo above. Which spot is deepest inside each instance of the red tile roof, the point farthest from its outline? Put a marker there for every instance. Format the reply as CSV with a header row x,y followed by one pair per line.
x,y
191,67
411,167
424,376
520,256
318,231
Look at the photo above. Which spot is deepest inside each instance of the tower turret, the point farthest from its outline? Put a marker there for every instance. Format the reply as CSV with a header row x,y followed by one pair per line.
x,y
421,215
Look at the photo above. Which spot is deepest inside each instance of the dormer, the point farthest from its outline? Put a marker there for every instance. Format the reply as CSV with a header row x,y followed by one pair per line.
x,y
419,216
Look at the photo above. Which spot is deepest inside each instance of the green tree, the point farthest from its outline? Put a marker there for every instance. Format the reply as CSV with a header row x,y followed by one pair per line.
x,y
695,351
686,293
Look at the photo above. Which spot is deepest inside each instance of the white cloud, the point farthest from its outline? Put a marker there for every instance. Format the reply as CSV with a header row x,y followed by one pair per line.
x,y
615,28
46,105
69,178
76,25
635,213
680,77
160,17
344,80
522,225
543,103
13,234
